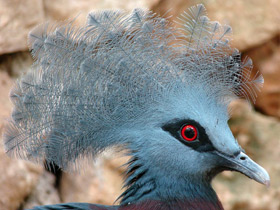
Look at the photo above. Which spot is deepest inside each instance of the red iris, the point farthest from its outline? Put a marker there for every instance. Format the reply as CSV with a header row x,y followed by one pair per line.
x,y
189,132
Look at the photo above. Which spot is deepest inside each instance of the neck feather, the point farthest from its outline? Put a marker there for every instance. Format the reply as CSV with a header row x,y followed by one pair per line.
x,y
145,188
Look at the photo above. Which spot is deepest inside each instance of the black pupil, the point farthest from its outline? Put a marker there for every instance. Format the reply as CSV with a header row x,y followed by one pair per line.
x,y
189,132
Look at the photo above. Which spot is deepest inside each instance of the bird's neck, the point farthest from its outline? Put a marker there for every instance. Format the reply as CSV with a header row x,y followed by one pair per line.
x,y
148,188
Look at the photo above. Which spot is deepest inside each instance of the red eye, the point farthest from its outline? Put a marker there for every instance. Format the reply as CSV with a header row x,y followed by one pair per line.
x,y
189,132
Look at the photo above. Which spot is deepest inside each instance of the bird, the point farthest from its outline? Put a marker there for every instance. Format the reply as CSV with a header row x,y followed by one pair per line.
x,y
137,82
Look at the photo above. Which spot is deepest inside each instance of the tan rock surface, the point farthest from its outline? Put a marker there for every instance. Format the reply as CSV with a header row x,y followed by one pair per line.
x,y
269,99
16,64
17,181
253,21
44,193
65,9
5,104
16,20
102,184
259,136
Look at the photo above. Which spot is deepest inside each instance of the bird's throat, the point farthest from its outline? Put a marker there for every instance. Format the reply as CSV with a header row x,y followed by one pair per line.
x,y
148,188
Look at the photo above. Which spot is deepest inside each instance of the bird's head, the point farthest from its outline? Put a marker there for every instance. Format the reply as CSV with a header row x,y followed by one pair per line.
x,y
186,142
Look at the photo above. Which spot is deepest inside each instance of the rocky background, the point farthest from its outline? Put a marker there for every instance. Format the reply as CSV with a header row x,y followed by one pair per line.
x,y
256,32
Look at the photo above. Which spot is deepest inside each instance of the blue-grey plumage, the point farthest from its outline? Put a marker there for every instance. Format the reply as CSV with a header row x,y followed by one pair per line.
x,y
133,80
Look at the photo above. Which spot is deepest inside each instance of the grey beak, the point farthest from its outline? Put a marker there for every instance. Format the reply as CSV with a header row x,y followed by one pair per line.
x,y
245,165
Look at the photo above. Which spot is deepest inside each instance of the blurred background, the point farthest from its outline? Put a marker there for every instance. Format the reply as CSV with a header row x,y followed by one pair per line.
x,y
256,32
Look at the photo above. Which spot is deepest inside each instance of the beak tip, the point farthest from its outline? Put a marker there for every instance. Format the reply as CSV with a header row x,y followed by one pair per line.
x,y
267,183
266,179
263,177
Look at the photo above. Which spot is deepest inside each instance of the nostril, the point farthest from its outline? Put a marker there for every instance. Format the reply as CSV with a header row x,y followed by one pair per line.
x,y
242,158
